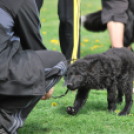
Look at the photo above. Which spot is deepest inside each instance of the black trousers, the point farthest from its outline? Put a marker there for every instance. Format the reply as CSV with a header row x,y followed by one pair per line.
x,y
69,36
15,109
69,41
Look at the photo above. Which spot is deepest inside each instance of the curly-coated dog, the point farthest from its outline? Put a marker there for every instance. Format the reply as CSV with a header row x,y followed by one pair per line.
x,y
112,70
92,22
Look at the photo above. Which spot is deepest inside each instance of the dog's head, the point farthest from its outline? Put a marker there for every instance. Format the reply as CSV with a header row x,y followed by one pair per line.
x,y
76,75
82,73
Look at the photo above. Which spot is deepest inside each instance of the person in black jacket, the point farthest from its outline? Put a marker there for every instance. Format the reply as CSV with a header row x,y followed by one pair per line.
x,y
27,75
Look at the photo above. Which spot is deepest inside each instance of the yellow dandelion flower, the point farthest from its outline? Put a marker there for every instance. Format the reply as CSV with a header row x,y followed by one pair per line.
x,y
43,32
117,111
81,51
52,40
54,104
82,44
56,42
96,46
43,20
92,48
86,40
96,40
88,5
54,49
133,82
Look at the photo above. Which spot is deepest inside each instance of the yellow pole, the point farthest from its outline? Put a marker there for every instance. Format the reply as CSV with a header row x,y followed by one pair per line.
x,y
76,15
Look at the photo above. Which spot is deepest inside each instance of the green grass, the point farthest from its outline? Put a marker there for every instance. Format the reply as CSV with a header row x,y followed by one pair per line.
x,y
93,117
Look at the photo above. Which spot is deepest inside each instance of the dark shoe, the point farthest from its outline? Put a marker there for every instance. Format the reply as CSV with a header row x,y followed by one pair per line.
x,y
2,130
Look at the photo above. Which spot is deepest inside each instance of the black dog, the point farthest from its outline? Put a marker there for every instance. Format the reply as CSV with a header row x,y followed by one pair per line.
x,y
112,70
92,22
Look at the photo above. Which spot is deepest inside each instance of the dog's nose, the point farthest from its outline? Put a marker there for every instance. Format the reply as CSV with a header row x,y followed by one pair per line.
x,y
69,85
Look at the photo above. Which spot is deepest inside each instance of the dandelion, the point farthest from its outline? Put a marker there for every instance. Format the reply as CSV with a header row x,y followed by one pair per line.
x,y
117,111
86,40
56,42
133,82
52,41
96,40
82,44
130,114
81,51
43,20
43,32
54,104
96,46
54,49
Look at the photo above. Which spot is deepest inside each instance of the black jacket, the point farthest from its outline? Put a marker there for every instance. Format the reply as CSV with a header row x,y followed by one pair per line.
x,y
21,71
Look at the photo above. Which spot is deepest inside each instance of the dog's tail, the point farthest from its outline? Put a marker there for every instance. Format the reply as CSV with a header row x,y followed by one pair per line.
x,y
92,22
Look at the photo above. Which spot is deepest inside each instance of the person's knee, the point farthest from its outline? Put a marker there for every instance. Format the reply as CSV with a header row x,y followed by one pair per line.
x,y
63,57
59,56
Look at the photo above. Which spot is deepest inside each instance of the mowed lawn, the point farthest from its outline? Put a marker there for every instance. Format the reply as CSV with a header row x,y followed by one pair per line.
x,y
50,117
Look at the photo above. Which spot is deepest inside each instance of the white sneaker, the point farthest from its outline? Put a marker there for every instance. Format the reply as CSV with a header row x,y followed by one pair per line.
x,y
83,19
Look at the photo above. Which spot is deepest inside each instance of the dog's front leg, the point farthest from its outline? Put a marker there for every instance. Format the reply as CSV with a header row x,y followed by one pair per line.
x,y
79,102
111,98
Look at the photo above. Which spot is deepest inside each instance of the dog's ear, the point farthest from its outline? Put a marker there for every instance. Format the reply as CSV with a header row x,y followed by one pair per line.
x,y
93,66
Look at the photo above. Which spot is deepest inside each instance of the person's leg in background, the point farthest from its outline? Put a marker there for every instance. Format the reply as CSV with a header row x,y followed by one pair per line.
x,y
69,28
116,32
115,18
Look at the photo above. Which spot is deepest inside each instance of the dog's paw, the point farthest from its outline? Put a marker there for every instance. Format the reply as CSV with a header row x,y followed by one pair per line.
x,y
123,113
70,110
111,107
111,110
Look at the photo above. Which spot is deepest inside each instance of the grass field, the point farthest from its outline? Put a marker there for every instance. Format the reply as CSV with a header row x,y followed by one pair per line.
x,y
93,118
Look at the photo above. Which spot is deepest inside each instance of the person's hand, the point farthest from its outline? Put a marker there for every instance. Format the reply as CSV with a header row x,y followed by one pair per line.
x,y
47,95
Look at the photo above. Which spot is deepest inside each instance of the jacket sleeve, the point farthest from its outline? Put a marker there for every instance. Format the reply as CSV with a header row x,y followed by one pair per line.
x,y
28,26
